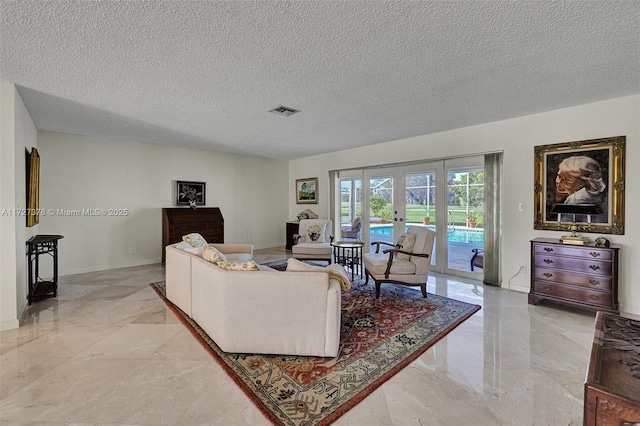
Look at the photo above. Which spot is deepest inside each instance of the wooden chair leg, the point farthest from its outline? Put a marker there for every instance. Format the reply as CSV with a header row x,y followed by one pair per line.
x,y
423,287
378,289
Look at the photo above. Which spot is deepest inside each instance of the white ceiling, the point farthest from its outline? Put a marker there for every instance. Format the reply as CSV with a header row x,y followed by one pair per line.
x,y
204,74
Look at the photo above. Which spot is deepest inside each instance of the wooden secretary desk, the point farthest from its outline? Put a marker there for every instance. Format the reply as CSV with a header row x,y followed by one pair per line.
x,y
179,221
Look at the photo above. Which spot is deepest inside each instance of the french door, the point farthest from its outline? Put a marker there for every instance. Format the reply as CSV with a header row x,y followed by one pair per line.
x,y
443,196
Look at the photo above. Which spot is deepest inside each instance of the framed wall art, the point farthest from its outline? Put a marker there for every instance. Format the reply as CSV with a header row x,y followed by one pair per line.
x,y
190,193
307,191
581,172
33,187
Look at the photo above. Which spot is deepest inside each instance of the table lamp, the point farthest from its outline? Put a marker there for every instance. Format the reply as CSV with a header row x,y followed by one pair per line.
x,y
575,209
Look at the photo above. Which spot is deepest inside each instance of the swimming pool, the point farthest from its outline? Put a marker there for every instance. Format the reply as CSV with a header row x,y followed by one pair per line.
x,y
460,235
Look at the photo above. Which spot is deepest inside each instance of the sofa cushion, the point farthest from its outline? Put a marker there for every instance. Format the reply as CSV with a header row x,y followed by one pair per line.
x,y
377,264
312,248
211,254
405,242
240,266
195,239
335,271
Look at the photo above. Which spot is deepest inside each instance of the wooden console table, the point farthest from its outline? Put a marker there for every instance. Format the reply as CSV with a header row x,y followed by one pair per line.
x,y
612,387
179,221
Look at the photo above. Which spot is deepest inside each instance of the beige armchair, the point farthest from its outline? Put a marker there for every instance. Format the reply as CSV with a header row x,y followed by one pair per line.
x,y
385,267
313,240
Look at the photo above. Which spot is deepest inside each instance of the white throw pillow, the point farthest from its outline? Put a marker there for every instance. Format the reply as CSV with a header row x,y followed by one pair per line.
x,y
405,243
315,233
195,239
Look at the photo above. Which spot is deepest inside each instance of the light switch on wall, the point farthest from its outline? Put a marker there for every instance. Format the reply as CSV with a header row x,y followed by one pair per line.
x,y
521,207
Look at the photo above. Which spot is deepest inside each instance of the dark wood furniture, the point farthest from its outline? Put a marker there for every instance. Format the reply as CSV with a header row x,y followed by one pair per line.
x,y
349,254
292,229
612,387
179,221
37,246
582,276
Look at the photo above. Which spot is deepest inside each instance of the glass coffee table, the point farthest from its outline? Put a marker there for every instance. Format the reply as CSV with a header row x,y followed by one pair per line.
x,y
349,254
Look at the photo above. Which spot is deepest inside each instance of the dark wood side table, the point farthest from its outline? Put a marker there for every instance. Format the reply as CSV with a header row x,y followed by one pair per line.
x,y
37,246
612,387
292,229
349,254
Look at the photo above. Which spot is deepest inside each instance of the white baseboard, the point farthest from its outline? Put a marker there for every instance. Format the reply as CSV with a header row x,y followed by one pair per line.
x,y
9,324
99,268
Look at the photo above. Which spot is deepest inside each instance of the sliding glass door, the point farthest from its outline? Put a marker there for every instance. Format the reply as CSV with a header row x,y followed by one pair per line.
x,y
445,196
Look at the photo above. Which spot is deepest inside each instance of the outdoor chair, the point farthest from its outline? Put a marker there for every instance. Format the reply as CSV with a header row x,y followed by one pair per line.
x,y
313,240
477,260
385,267
353,230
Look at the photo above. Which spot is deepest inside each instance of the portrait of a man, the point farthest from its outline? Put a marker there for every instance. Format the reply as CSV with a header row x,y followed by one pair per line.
x,y
579,173
579,179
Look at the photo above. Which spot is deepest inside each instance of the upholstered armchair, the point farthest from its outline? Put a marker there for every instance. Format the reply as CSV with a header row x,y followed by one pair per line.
x,y
400,266
313,240
353,230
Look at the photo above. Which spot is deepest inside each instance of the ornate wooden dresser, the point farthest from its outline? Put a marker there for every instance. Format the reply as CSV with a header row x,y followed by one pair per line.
x,y
179,221
584,276
612,387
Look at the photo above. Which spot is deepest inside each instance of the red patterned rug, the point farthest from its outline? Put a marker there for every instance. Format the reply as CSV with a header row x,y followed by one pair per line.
x,y
378,339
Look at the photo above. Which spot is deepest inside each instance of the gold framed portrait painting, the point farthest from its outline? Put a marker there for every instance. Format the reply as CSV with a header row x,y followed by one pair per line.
x,y
581,172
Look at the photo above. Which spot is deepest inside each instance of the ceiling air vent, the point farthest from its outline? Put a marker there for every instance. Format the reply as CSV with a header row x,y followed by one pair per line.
x,y
283,110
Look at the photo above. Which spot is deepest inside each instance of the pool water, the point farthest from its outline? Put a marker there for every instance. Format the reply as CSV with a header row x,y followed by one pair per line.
x,y
454,235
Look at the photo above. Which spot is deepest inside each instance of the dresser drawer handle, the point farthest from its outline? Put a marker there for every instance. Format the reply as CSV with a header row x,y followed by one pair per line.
x,y
548,274
593,297
547,288
548,249
594,267
594,253
548,261
594,282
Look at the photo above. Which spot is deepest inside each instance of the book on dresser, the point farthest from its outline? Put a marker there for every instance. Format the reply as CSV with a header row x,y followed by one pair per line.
x,y
582,276
179,221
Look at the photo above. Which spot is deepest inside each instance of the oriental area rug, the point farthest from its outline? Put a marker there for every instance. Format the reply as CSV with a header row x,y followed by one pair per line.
x,y
378,339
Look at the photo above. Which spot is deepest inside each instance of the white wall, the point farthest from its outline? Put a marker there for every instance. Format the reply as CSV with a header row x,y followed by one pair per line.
x,y
79,172
17,134
516,138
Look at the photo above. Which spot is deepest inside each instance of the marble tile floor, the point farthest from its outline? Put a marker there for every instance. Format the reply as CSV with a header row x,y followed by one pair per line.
x,y
108,351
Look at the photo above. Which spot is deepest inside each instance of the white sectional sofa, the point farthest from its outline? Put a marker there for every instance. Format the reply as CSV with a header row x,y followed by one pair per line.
x,y
265,311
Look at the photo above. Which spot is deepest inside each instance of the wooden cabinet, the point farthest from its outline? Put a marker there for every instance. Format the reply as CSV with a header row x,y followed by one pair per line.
x,y
612,387
584,276
292,229
179,221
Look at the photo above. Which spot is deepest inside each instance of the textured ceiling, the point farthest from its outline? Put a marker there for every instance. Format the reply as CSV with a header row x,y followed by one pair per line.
x,y
204,74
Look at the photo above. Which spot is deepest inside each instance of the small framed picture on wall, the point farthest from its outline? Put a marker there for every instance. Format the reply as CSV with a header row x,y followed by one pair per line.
x,y
307,191
190,193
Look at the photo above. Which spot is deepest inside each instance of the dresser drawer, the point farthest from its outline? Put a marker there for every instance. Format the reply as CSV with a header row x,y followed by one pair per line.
x,y
583,252
603,283
574,293
573,264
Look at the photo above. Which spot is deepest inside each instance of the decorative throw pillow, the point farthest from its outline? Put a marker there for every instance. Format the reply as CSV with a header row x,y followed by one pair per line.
x,y
405,243
238,266
335,271
315,233
195,239
213,255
